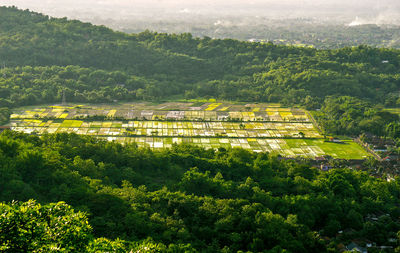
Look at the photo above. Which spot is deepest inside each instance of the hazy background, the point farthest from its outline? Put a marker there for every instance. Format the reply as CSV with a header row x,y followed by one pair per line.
x,y
367,11
306,22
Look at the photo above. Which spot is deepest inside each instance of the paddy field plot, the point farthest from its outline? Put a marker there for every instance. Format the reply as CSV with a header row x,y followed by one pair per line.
x,y
258,127
309,148
177,128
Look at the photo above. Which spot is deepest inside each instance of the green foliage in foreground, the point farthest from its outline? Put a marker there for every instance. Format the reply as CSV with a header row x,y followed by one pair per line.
x,y
30,227
56,227
190,198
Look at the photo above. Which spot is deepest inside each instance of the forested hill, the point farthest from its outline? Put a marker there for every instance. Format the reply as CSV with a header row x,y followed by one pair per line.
x,y
183,65
33,39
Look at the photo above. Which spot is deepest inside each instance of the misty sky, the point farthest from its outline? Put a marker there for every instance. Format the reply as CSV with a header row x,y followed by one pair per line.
x,y
385,11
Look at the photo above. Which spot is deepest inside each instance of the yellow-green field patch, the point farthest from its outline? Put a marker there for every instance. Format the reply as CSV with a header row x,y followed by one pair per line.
x,y
264,128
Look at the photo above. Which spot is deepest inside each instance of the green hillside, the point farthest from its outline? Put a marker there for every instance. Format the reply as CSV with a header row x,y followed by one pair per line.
x,y
193,67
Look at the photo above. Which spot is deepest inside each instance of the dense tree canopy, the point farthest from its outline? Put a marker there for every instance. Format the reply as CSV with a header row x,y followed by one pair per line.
x,y
145,64
56,227
29,227
349,115
213,200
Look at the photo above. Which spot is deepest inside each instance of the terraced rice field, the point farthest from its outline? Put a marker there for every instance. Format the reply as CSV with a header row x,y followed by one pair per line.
x,y
259,127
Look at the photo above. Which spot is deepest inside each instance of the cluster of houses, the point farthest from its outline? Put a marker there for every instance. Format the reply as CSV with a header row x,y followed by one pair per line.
x,y
385,149
355,247
362,245
324,163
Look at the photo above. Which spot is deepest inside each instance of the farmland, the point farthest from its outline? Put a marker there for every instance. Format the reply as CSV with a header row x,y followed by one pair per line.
x,y
258,127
